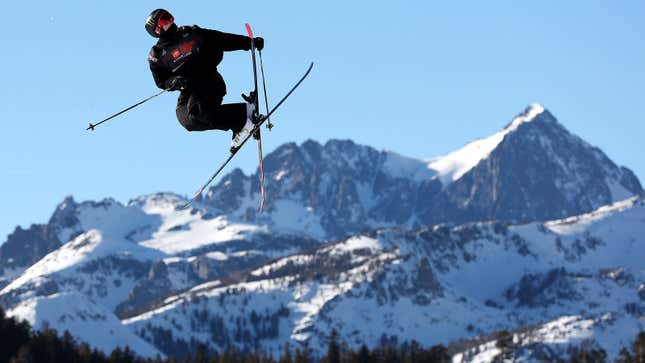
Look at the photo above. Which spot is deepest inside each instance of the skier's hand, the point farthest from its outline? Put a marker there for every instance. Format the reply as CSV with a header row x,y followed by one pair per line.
x,y
259,43
176,83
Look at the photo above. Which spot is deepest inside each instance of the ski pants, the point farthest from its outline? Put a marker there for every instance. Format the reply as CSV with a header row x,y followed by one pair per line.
x,y
197,112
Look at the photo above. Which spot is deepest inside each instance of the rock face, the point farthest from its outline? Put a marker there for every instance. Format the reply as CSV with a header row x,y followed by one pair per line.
x,y
24,247
532,170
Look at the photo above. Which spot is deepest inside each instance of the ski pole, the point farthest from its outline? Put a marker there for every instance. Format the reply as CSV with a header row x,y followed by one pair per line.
x,y
92,126
264,85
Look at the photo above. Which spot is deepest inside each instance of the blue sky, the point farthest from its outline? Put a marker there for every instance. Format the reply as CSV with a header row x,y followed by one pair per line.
x,y
418,77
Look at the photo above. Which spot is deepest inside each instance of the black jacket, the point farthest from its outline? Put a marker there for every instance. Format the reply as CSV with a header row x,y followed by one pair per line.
x,y
194,53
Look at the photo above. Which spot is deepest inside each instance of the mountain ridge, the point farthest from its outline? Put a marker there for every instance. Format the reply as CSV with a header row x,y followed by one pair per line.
x,y
349,226
361,183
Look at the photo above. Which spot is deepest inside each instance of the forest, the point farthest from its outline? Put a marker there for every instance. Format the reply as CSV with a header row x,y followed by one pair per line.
x,y
21,344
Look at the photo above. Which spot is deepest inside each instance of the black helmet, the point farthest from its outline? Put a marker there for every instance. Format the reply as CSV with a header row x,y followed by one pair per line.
x,y
157,20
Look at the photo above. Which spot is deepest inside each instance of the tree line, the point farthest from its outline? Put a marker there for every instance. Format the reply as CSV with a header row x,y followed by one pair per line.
x,y
19,343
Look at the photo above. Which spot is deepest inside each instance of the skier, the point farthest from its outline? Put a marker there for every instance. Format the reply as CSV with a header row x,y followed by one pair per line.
x,y
185,59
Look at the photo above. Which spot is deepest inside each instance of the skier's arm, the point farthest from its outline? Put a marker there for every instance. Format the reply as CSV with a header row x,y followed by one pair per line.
x,y
227,41
159,73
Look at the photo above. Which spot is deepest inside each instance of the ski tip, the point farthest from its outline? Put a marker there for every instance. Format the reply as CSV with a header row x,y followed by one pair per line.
x,y
91,127
248,30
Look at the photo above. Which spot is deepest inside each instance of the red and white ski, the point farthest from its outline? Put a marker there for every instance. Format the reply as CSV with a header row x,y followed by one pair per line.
x,y
256,115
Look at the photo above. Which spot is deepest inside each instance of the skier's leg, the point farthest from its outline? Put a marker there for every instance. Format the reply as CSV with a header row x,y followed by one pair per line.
x,y
190,113
197,113
230,116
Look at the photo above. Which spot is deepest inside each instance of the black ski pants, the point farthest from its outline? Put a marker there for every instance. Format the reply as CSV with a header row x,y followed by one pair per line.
x,y
201,112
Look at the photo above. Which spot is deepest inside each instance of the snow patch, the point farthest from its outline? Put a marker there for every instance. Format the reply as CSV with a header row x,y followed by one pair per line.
x,y
358,243
290,216
400,166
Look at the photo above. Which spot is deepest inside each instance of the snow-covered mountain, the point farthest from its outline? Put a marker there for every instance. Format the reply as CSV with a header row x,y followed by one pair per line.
x,y
532,170
379,246
124,259
581,278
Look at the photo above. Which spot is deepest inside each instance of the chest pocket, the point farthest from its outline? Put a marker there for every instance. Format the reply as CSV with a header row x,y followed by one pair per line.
x,y
185,51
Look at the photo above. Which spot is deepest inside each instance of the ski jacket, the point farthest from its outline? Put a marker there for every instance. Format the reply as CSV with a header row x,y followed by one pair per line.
x,y
194,53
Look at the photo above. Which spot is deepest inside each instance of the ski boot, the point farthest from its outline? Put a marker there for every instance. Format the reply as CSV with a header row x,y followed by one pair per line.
x,y
252,119
240,136
252,99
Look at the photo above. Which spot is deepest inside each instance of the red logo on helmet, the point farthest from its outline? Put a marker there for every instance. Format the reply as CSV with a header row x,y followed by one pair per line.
x,y
163,21
175,53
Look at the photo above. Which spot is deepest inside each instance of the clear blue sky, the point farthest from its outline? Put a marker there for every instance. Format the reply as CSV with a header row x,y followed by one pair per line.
x,y
418,77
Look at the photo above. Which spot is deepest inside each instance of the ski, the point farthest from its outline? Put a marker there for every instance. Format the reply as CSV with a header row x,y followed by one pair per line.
x,y
261,169
255,128
256,115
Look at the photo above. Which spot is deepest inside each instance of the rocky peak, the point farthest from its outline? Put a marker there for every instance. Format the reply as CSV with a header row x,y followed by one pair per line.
x,y
534,112
65,214
24,247
537,171
532,169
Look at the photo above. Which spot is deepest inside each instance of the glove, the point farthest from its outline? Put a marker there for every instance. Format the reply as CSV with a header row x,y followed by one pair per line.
x,y
259,43
176,83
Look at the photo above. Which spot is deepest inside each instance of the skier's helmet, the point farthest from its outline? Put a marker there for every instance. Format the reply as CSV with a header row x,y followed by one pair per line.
x,y
157,20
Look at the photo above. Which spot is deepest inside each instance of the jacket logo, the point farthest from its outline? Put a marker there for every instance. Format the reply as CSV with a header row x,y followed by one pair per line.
x,y
184,49
187,47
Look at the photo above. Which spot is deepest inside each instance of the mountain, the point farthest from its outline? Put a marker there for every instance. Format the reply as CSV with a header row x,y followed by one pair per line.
x,y
532,170
530,230
580,277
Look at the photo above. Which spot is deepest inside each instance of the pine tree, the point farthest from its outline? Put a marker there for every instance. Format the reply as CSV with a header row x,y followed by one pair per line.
x,y
286,357
390,355
624,356
364,355
68,348
639,348
504,343
116,356
213,357
128,355
303,356
23,356
13,335
200,354
439,354
84,353
333,349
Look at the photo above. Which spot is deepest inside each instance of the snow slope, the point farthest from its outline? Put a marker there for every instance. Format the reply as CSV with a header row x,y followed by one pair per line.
x,y
84,319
